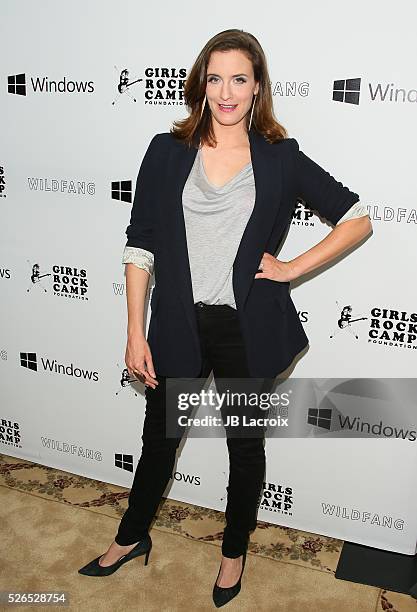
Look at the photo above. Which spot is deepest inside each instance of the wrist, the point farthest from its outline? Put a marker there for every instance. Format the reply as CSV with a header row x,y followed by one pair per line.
x,y
294,268
135,331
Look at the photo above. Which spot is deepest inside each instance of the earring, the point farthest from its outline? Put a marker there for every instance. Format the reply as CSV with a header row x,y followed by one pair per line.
x,y
251,114
204,105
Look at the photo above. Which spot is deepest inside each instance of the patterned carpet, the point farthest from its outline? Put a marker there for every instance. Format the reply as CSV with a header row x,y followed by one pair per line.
x,y
294,548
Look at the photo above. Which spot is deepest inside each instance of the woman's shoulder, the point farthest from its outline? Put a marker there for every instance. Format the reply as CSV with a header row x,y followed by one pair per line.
x,y
161,138
163,141
285,143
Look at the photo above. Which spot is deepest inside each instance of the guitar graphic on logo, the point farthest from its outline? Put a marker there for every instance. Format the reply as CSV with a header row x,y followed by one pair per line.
x,y
345,321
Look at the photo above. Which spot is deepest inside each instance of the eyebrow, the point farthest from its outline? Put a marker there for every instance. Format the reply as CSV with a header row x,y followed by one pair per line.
x,y
233,75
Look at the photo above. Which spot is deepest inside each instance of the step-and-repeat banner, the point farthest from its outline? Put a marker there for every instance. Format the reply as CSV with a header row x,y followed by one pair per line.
x,y
84,89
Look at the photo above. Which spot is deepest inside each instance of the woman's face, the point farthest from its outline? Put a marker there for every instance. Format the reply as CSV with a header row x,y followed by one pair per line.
x,y
230,86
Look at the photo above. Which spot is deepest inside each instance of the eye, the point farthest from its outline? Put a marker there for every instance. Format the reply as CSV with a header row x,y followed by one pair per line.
x,y
213,79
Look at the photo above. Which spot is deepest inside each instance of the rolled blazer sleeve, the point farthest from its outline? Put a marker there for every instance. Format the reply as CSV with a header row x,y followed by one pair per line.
x,y
319,189
140,231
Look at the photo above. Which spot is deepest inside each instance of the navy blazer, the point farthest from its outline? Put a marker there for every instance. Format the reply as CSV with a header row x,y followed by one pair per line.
x,y
272,331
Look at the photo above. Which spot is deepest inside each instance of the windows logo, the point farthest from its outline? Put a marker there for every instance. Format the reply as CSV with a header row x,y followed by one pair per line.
x,y
28,360
347,90
125,462
320,417
16,84
121,190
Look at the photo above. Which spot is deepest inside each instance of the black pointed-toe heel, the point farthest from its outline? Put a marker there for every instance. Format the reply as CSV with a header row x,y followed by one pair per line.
x,y
93,568
222,595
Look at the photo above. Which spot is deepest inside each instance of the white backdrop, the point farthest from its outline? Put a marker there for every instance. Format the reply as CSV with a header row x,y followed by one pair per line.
x,y
71,147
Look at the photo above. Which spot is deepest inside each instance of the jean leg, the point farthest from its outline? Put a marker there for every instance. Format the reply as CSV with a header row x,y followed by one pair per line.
x,y
247,470
246,454
156,462
153,471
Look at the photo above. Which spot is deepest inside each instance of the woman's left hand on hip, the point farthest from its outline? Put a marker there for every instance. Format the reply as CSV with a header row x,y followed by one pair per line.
x,y
274,269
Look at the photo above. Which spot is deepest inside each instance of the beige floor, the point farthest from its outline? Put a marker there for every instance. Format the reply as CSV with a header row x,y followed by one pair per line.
x,y
46,539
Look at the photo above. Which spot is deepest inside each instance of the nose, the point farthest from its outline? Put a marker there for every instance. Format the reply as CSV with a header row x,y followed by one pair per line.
x,y
225,91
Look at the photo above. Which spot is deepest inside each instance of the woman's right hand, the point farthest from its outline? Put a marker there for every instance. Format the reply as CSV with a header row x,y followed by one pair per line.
x,y
138,360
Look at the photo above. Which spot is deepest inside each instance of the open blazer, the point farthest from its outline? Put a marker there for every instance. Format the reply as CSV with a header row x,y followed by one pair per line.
x,y
271,328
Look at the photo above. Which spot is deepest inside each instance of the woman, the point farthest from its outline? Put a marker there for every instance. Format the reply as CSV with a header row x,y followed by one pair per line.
x,y
213,200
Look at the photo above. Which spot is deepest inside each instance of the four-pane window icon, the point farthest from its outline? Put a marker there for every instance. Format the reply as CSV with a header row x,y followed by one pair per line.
x,y
347,90
16,84
121,190
320,417
124,461
28,360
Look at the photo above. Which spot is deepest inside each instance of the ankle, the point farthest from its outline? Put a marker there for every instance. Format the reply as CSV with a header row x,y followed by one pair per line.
x,y
124,546
232,558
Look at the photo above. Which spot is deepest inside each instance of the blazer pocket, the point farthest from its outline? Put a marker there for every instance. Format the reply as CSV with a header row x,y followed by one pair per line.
x,y
267,289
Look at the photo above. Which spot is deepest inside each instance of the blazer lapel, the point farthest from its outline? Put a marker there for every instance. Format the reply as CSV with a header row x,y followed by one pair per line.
x,y
266,164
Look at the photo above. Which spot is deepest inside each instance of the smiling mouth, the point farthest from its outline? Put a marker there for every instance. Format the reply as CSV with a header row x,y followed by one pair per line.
x,y
227,108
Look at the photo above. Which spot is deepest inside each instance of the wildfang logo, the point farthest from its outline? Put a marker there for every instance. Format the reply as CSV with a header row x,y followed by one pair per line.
x,y
71,449
370,518
61,185
118,288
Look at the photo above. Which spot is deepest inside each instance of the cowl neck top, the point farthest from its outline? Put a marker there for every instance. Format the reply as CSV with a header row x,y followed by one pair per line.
x,y
215,219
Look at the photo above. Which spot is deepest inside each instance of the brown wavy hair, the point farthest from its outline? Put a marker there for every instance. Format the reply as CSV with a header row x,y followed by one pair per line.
x,y
194,128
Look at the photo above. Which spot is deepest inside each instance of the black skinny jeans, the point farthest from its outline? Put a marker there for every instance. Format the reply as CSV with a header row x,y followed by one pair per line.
x,y
223,352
